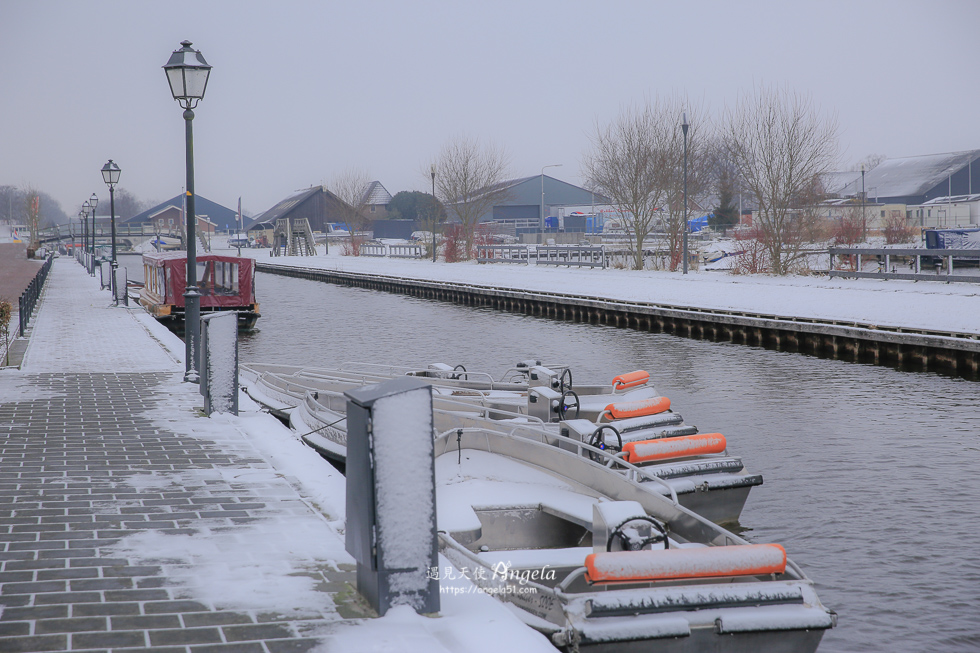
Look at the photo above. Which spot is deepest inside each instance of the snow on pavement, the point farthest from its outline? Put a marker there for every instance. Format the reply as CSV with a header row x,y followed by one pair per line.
x,y
78,330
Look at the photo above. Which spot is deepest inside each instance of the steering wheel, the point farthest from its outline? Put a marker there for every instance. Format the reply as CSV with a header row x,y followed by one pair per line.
x,y
599,441
630,545
561,381
563,409
463,370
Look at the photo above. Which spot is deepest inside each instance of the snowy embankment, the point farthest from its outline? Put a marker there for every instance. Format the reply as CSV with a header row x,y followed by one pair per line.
x,y
907,304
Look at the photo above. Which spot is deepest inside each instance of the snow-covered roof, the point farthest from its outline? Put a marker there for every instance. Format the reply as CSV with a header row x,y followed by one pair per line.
x,y
909,176
954,199
376,195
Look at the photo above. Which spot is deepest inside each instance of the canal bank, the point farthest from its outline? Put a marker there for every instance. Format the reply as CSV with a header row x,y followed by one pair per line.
x,y
902,324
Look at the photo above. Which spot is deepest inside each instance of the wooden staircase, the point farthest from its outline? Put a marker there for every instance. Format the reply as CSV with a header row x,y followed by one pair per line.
x,y
293,238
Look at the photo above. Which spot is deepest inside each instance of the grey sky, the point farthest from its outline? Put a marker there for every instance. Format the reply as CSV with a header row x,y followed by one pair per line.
x,y
301,90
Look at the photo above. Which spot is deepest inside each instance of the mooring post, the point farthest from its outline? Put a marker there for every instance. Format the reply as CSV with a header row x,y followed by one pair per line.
x,y
391,494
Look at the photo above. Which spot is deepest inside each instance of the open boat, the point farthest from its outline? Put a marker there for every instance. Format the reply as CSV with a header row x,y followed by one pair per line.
x,y
667,457
596,562
226,283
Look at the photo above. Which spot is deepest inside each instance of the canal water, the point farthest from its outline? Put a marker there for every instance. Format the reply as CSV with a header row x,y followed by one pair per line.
x,y
871,474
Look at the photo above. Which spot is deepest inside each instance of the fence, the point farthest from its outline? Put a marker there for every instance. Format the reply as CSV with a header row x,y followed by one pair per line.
x,y
405,251
502,254
590,255
28,298
946,263
372,249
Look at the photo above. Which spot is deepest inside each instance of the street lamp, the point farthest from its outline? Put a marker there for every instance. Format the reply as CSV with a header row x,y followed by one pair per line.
x,y
84,214
864,202
84,234
554,165
187,72
684,127
93,202
435,211
110,174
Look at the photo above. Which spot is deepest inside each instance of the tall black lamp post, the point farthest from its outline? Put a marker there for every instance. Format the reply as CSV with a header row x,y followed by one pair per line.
x,y
84,215
187,72
110,174
684,127
435,211
83,222
93,202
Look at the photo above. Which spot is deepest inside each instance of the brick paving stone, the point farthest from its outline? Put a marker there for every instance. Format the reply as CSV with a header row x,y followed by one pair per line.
x,y
88,462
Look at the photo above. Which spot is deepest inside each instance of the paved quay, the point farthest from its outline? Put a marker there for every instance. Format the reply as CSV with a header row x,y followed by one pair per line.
x,y
128,521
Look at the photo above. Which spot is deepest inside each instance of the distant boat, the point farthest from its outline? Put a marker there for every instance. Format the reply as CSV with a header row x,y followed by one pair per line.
x,y
226,283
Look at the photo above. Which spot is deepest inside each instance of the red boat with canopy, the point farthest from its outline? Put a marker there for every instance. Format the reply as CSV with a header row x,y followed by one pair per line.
x,y
226,283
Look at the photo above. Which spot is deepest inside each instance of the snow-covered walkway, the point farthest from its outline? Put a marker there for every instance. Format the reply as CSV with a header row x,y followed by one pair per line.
x,y
130,521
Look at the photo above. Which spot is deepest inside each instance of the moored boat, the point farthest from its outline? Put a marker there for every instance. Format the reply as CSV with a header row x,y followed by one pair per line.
x,y
591,559
226,283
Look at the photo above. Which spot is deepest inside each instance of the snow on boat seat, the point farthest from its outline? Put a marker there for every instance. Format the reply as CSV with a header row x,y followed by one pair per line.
x,y
630,380
669,448
680,564
595,404
624,409
648,422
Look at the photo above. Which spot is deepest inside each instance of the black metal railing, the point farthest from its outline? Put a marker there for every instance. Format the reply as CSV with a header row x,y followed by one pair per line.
x,y
28,298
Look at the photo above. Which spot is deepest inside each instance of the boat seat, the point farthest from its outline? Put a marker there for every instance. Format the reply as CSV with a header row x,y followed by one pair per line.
x,y
683,446
687,563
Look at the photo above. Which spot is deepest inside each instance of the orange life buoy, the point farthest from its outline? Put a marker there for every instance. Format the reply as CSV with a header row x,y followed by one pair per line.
x,y
679,447
630,380
675,564
641,408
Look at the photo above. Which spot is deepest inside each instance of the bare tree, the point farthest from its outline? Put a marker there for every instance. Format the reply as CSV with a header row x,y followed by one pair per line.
x,y
470,180
32,205
637,162
350,187
781,146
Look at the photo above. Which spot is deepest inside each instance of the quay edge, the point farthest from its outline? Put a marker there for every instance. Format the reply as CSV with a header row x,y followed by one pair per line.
x,y
905,348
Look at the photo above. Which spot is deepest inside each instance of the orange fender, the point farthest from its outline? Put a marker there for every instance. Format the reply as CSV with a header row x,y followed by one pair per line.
x,y
680,447
652,406
677,564
630,380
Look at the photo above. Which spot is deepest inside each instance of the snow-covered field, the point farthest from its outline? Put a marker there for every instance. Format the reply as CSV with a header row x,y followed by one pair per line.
x,y
933,306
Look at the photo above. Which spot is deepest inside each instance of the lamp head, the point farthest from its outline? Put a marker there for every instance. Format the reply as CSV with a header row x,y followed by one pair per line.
x,y
110,174
187,72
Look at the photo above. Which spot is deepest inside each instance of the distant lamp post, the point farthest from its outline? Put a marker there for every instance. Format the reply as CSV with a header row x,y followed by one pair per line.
x,y
554,165
93,202
83,233
435,210
188,72
864,213
684,127
85,208
110,174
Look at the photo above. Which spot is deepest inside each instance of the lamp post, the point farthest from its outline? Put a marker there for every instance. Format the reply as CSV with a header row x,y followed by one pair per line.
x,y
110,174
83,216
864,216
435,211
93,202
83,232
85,209
187,72
554,165
684,127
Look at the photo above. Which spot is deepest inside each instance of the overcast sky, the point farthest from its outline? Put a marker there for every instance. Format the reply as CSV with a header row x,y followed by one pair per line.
x,y
301,90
